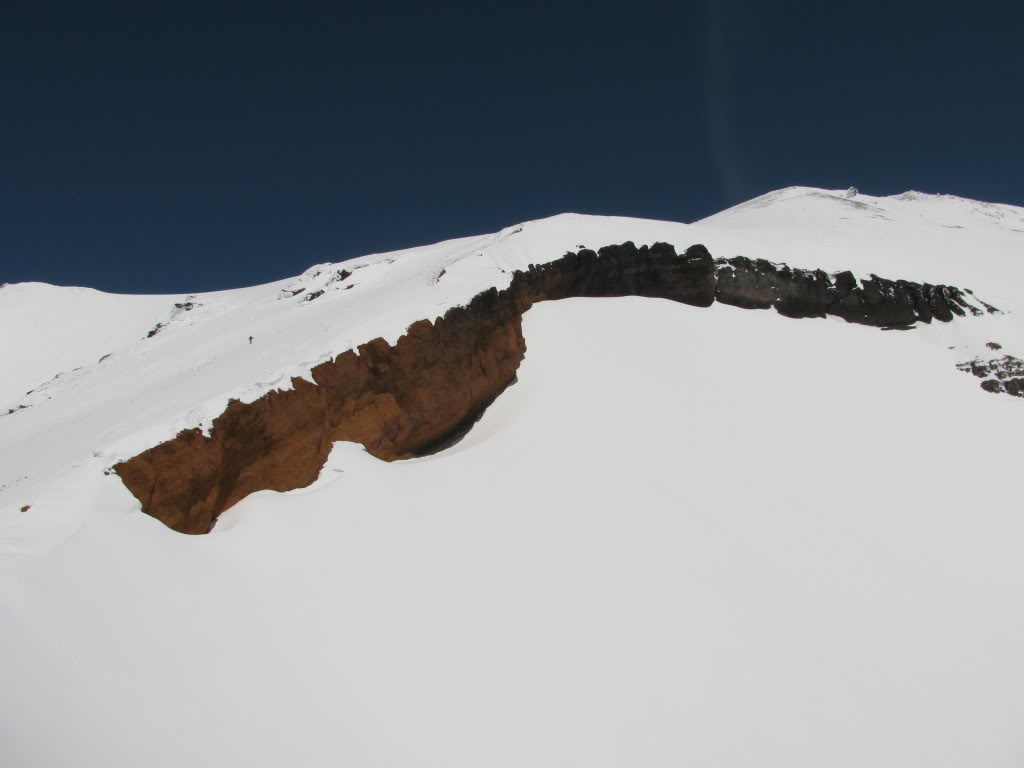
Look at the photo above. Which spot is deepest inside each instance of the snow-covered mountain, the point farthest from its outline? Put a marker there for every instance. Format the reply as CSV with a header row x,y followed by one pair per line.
x,y
688,532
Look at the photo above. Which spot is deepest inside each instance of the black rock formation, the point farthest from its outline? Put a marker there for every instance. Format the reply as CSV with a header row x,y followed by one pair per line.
x,y
1001,375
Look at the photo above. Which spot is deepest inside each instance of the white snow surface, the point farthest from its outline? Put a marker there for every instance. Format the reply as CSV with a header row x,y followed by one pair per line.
x,y
685,536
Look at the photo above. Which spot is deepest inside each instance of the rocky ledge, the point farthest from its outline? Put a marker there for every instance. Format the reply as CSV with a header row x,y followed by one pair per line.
x,y
1002,374
412,397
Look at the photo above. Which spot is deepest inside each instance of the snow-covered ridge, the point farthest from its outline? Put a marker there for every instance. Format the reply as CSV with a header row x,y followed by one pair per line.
x,y
416,396
853,198
129,391
686,535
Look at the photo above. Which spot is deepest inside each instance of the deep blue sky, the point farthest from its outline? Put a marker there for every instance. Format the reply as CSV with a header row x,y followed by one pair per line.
x,y
151,146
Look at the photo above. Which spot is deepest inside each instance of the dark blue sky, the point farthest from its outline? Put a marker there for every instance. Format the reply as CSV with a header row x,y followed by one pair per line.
x,y
151,146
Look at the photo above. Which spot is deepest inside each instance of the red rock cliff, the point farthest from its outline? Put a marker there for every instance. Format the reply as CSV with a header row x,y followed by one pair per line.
x,y
395,400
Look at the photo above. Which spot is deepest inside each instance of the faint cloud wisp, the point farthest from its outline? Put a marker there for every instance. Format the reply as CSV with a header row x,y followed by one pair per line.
x,y
719,120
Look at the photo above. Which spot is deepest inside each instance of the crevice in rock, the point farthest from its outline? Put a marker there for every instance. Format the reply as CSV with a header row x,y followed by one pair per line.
x,y
427,390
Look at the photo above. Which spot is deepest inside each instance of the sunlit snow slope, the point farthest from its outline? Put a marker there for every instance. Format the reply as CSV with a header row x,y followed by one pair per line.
x,y
685,536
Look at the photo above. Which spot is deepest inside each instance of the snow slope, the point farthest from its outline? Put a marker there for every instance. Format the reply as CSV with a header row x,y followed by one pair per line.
x,y
55,330
709,536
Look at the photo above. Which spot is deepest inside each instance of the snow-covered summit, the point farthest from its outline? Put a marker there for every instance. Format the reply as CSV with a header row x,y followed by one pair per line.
x,y
961,241
684,535
81,355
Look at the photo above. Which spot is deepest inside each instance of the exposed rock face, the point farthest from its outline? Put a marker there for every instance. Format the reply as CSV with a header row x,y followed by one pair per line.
x,y
395,400
1004,374
621,270
404,400
759,284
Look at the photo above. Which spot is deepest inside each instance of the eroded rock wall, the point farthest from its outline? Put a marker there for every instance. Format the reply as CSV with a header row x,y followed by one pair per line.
x,y
999,375
402,400
395,400
759,284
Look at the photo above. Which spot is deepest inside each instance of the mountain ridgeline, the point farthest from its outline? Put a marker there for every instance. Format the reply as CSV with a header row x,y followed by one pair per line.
x,y
416,396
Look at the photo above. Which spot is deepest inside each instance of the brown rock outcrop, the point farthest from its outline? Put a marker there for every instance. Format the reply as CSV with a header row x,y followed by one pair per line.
x,y
395,400
406,399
